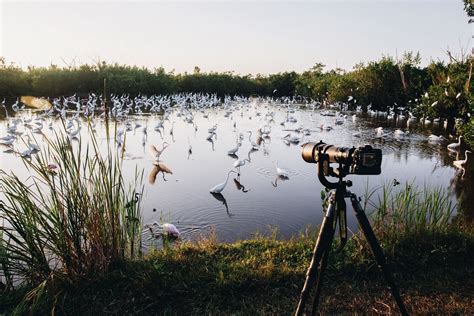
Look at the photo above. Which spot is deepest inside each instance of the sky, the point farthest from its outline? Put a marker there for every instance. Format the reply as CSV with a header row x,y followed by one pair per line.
x,y
247,37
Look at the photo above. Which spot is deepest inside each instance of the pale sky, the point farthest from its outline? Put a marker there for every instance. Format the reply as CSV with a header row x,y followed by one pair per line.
x,y
245,37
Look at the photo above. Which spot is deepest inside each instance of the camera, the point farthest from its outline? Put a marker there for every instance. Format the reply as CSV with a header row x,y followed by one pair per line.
x,y
363,160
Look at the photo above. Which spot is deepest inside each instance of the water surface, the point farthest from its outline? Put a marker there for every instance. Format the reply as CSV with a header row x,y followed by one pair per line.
x,y
258,200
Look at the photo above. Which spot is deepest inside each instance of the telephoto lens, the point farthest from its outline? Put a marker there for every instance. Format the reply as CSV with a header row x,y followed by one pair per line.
x,y
363,160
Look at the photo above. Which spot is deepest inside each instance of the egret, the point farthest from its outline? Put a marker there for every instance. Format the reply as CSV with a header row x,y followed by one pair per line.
x,y
461,164
190,148
221,186
7,140
399,133
75,132
254,145
235,149
240,162
455,146
357,134
281,172
172,129
435,138
155,152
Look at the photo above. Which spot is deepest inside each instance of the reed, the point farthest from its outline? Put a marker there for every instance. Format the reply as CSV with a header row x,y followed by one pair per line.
x,y
72,221
409,210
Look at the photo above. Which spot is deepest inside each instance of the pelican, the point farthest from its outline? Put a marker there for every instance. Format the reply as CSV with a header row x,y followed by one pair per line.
x,y
221,186
155,153
455,146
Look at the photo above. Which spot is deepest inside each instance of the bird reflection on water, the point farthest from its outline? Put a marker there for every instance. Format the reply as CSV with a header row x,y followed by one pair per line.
x,y
221,198
157,168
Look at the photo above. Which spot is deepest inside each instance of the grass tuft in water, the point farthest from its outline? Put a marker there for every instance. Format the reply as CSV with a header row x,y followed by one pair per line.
x,y
408,210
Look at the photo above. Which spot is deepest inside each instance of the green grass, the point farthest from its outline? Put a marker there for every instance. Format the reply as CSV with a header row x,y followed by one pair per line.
x,y
73,240
265,276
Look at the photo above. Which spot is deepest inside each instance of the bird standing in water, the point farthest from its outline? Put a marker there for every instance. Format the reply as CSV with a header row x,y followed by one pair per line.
x,y
155,152
221,186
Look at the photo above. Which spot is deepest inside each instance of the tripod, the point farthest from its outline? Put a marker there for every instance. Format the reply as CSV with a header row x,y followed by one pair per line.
x,y
336,212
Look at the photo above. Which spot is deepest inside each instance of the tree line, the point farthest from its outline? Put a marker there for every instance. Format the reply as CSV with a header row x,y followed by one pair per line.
x,y
438,90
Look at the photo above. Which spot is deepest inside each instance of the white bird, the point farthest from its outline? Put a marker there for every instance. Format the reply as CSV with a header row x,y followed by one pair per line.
x,y
221,186
293,138
234,150
75,132
155,152
399,132
458,95
7,140
461,164
357,134
455,146
167,229
26,153
281,172
172,129
254,144
170,230
435,138
190,148
434,103
240,162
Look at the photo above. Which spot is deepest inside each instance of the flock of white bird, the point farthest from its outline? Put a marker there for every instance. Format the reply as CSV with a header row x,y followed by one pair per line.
x,y
186,106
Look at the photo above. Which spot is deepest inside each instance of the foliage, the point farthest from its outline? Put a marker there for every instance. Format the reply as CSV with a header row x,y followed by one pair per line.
x,y
468,132
410,210
72,219
469,8
264,276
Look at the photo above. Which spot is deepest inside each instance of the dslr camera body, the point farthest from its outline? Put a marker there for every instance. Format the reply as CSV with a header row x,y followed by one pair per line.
x,y
363,160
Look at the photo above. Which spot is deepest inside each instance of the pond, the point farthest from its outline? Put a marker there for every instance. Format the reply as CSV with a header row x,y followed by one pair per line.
x,y
257,200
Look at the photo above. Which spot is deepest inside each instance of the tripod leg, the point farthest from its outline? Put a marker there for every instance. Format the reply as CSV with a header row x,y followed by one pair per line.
x,y
323,242
378,252
319,281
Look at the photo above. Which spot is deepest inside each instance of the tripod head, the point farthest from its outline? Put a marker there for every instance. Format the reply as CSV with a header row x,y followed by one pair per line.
x,y
363,160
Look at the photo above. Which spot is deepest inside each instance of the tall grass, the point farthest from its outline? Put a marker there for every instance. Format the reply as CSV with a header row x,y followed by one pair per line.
x,y
69,222
409,209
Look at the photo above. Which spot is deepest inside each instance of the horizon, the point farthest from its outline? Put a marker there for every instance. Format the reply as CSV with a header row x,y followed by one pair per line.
x,y
242,38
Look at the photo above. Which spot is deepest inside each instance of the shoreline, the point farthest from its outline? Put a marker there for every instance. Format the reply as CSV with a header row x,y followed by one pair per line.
x,y
264,276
